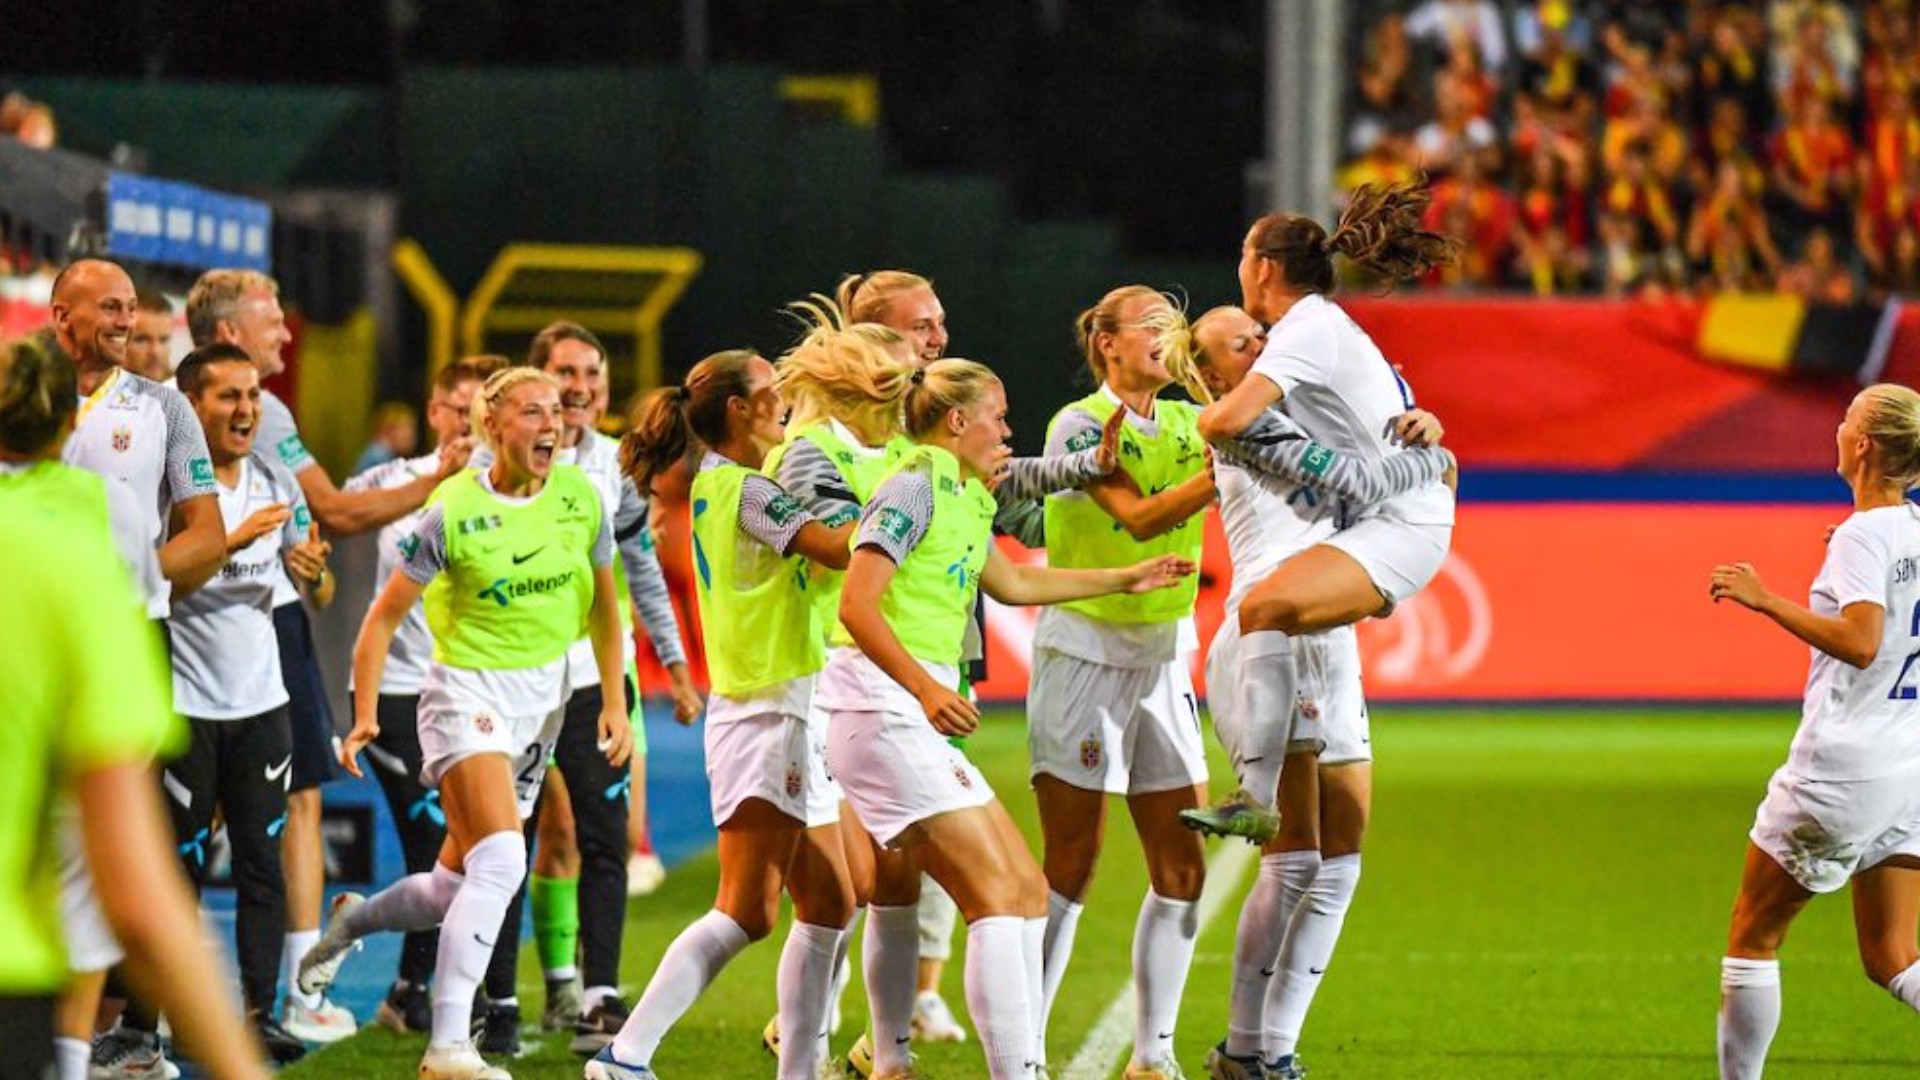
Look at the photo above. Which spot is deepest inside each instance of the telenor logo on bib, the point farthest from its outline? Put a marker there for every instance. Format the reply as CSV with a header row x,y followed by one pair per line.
x,y
503,590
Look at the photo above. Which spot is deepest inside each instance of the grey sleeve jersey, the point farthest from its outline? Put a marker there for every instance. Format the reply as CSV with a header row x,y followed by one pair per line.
x,y
646,585
424,553
1031,478
279,436
189,471
809,475
897,517
769,514
1276,447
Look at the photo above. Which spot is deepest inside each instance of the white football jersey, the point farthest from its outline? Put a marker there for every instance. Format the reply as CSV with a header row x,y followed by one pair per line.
x,y
1267,523
412,648
277,437
1345,394
1859,724
226,658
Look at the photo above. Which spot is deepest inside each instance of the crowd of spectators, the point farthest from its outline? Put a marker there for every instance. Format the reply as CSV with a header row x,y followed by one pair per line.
x,y
1622,146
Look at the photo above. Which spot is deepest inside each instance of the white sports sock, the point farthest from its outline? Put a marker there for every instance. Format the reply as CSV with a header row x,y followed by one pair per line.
x,y
1749,1015
1268,679
842,974
70,1058
997,995
415,902
690,963
594,995
1906,986
938,915
1284,878
1063,918
1312,933
892,968
1033,948
1162,952
494,868
296,946
805,984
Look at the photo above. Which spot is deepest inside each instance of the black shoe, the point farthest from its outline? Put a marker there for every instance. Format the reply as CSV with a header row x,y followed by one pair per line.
x,y
282,1047
407,1010
598,1025
500,1031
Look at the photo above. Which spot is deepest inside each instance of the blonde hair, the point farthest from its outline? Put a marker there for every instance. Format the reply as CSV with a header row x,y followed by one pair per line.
x,y
1171,333
1183,361
840,373
38,395
668,421
863,298
216,297
1894,427
493,393
941,387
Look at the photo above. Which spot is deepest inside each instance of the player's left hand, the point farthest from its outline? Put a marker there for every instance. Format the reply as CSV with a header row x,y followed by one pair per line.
x,y
616,737
1109,456
1160,573
1418,427
687,702
308,560
1739,583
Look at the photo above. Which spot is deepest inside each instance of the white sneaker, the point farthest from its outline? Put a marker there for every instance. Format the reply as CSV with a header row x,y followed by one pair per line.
x,y
933,1021
327,1024
323,961
459,1062
645,872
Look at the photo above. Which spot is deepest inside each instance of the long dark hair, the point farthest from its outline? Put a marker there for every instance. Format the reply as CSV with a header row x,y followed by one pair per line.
x,y
1380,230
668,420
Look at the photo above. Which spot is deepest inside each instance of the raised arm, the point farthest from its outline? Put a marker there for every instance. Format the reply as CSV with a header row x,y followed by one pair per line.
x,y
1852,638
1228,416
1012,583
1273,447
1147,516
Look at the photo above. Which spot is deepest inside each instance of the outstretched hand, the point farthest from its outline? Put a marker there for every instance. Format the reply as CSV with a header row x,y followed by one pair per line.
x,y
258,524
1739,583
1161,573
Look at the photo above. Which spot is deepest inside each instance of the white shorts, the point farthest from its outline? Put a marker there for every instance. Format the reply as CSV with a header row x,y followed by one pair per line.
x,y
1399,557
450,734
1340,699
897,771
1823,832
91,945
1126,731
776,757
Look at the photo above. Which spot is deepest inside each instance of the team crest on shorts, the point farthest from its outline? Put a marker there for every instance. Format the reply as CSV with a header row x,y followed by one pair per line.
x,y
1090,753
793,782
960,774
484,722
122,438
1309,708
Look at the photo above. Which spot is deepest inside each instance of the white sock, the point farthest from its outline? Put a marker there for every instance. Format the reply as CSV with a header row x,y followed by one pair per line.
x,y
1033,947
1063,918
1270,903
938,915
415,902
1906,986
842,969
690,963
1268,679
1162,951
494,868
296,946
561,974
805,984
892,968
1749,1015
70,1058
594,995
997,995
1312,933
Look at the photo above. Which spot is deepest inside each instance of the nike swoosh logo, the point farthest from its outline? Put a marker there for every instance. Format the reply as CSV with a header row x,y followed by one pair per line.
x,y
518,559
1165,1035
1316,971
275,772
903,1040
483,941
1253,760
1266,973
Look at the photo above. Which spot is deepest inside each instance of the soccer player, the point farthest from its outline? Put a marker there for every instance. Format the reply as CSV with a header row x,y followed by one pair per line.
x,y
1347,397
1273,509
1844,811
242,307
85,697
515,562
226,681
755,548
150,343
923,549
395,753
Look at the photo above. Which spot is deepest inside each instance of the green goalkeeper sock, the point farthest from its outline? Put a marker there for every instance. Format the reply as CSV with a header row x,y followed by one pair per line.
x,y
556,921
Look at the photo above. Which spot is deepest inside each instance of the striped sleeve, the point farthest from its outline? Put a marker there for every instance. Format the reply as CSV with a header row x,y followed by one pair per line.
x,y
897,516
1274,446
769,514
189,472
809,475
279,435
423,553
1037,477
646,585
1025,521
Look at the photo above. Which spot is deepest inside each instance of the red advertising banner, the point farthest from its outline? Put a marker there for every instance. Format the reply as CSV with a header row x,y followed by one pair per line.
x,y
1544,601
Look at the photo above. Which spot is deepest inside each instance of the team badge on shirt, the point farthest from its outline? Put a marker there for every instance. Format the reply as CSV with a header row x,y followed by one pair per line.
x,y
1090,751
122,438
484,722
894,522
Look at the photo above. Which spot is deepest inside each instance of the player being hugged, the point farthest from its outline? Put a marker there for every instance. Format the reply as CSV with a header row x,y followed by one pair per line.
x,y
754,546
1845,808
515,563
923,550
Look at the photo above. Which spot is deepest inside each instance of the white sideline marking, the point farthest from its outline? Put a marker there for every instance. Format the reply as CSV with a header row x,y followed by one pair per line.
x,y
1113,1032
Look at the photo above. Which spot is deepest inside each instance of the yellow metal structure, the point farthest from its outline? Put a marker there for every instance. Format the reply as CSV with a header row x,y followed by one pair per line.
x,y
435,297
618,292
856,96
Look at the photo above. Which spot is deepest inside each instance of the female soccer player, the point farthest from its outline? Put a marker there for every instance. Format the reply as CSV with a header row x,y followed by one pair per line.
x,y
923,550
1346,396
754,548
1845,808
515,562
1292,916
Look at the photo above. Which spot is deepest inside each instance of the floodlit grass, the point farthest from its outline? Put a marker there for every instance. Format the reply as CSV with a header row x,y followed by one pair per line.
x,y
1545,895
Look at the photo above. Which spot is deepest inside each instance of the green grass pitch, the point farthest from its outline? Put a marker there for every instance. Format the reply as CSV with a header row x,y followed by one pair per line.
x,y
1545,895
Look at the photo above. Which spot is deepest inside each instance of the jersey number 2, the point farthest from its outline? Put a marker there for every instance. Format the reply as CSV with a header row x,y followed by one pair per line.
x,y
1903,689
